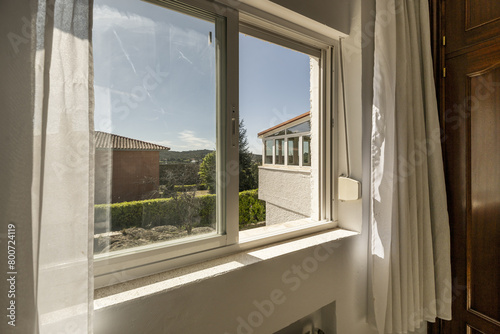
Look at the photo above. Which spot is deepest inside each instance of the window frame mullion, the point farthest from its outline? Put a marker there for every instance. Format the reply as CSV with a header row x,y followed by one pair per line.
x,y
230,180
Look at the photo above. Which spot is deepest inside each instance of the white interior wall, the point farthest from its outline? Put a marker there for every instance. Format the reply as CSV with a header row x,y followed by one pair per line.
x,y
319,320
214,305
16,152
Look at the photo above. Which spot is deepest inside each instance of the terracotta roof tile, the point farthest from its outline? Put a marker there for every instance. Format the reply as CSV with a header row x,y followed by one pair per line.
x,y
105,140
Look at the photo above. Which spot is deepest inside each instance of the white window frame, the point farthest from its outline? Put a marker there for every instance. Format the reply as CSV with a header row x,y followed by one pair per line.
x,y
123,265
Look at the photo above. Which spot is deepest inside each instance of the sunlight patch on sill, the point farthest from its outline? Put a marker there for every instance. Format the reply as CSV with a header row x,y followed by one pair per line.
x,y
277,229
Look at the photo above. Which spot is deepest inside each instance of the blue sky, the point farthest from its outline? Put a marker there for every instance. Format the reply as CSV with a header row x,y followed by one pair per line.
x,y
155,77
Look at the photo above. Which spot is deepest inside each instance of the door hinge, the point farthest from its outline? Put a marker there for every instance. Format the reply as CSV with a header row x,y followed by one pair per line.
x,y
444,72
444,40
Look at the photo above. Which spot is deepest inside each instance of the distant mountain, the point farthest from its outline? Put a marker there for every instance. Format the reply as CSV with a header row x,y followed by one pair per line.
x,y
171,157
182,156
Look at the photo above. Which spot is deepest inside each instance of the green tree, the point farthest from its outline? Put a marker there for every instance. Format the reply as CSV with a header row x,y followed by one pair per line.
x,y
248,169
249,176
207,171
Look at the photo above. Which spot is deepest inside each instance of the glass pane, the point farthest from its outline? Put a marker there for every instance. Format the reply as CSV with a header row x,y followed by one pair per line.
x,y
155,120
293,151
279,133
275,90
306,151
302,127
280,152
269,152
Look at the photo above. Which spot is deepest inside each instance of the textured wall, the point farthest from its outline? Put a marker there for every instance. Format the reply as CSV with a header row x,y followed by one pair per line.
x,y
103,165
278,215
287,189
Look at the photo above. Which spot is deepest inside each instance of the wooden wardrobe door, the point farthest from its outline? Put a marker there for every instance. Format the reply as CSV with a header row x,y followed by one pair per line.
x,y
472,168
471,22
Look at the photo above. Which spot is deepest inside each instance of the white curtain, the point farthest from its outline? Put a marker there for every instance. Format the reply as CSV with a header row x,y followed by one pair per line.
x,y
51,151
410,269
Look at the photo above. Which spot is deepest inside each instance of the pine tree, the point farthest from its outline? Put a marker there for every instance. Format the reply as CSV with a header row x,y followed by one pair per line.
x,y
248,169
248,176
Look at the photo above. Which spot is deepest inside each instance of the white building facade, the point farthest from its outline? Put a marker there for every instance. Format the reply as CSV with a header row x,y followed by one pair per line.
x,y
286,175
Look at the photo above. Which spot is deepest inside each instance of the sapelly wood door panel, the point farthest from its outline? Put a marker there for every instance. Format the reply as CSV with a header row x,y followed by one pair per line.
x,y
466,53
471,123
470,22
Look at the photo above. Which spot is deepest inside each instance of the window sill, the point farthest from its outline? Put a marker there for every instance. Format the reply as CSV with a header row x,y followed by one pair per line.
x,y
159,283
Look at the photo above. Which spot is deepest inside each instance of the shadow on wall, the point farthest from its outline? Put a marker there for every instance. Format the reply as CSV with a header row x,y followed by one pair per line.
x,y
322,321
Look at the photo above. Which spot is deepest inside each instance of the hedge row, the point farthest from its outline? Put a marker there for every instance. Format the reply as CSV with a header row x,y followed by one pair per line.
x,y
180,211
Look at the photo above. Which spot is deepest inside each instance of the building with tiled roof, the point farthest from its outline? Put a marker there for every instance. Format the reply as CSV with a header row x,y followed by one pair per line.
x,y
126,169
104,140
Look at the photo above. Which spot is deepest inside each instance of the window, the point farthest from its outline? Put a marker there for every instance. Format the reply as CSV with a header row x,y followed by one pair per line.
x,y
158,100
306,151
302,127
279,159
181,155
268,159
297,139
293,151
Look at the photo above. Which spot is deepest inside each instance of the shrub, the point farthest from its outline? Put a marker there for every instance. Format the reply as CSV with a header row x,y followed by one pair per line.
x,y
181,211
157,212
252,209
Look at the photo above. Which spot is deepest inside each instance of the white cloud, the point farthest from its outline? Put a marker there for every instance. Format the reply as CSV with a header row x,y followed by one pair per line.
x,y
187,141
166,143
191,142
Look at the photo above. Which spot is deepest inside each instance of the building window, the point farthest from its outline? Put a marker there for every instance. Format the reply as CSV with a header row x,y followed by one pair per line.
x,y
306,151
268,159
170,127
300,128
279,159
297,138
293,151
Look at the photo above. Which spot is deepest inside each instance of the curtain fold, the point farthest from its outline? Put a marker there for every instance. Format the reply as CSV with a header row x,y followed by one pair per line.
x,y
410,241
63,167
50,147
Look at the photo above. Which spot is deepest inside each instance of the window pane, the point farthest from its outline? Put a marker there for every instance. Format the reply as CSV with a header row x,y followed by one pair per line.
x,y
303,127
269,152
280,152
279,133
155,120
306,151
293,151
275,94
